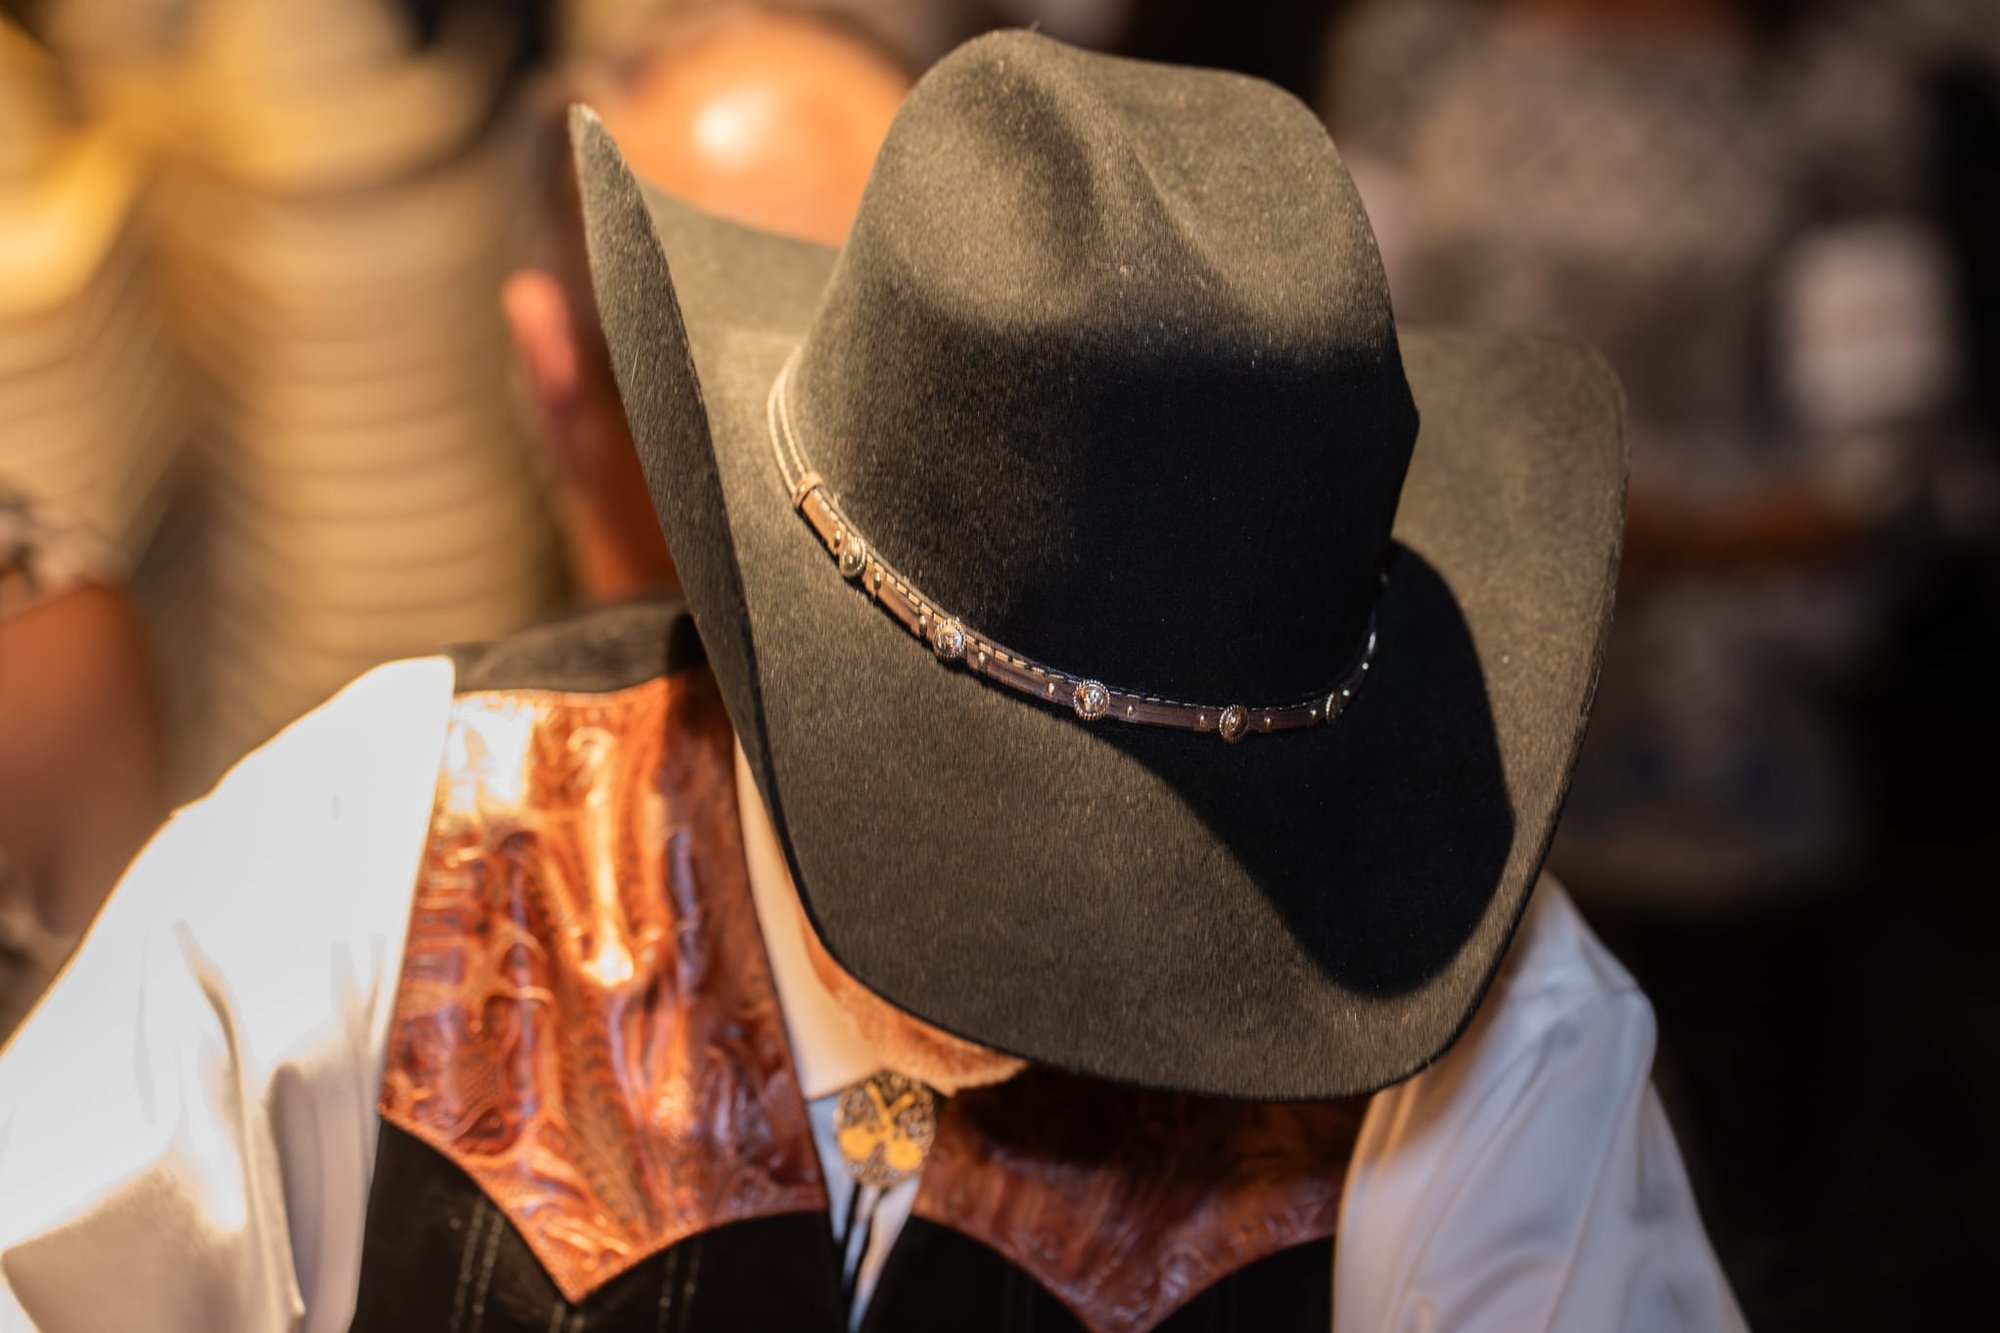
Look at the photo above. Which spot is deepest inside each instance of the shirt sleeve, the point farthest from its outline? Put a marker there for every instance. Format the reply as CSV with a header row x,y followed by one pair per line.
x,y
187,1122
1530,1181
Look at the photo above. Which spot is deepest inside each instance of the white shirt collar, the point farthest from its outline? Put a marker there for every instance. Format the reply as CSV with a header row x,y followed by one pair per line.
x,y
827,1050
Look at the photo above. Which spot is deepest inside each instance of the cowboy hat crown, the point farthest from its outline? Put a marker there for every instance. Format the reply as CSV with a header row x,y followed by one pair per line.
x,y
1075,292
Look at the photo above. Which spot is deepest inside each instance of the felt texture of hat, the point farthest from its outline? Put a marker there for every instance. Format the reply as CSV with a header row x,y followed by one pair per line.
x,y
1107,368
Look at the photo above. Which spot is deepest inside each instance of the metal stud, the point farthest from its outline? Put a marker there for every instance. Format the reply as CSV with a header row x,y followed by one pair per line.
x,y
853,556
948,639
1091,700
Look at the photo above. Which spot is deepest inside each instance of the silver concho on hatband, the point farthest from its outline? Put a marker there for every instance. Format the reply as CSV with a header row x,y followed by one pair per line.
x,y
954,643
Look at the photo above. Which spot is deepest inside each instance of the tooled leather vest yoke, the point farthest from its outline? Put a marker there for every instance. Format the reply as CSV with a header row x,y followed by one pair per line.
x,y
590,1118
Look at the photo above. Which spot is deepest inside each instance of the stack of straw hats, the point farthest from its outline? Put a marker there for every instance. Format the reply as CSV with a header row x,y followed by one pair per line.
x,y
341,211
333,207
92,412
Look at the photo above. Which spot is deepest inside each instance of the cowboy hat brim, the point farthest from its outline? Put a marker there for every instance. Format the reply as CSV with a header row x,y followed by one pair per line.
x,y
1303,916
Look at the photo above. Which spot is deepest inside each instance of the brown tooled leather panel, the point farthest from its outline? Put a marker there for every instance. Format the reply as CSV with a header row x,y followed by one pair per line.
x,y
1126,1205
584,878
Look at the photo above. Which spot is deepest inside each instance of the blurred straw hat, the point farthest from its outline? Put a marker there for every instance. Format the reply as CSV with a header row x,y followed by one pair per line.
x,y
65,190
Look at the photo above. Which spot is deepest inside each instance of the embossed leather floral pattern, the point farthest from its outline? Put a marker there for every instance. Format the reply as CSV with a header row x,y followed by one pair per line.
x,y
584,883
1126,1204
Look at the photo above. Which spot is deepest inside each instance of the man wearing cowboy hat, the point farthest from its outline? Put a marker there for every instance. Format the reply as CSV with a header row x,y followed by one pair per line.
x,y
1080,877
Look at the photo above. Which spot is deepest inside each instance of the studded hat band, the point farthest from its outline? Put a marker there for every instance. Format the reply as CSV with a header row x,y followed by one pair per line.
x,y
955,643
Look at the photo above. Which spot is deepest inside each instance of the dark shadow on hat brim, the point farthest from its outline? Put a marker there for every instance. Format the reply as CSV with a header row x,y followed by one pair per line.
x,y
1303,916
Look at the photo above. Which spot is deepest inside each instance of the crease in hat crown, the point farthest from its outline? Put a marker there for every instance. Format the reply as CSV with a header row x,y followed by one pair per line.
x,y
1108,363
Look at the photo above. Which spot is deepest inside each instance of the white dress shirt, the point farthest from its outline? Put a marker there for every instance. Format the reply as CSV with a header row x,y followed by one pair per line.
x,y
188,1122
827,1051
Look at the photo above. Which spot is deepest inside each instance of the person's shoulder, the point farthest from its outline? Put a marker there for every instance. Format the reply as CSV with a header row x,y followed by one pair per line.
x,y
305,849
588,650
1529,1179
217,1038
1555,968
374,748
350,758
371,710
1558,989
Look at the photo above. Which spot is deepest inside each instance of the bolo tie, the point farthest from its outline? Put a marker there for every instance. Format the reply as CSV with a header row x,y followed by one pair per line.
x,y
884,1127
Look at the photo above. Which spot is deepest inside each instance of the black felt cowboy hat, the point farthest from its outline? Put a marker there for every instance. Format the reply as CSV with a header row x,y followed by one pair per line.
x,y
1039,536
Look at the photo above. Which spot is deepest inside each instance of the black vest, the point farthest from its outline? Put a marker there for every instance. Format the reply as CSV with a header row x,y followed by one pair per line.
x,y
590,1118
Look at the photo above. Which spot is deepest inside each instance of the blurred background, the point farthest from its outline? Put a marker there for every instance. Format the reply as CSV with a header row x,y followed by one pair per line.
x,y
261,427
